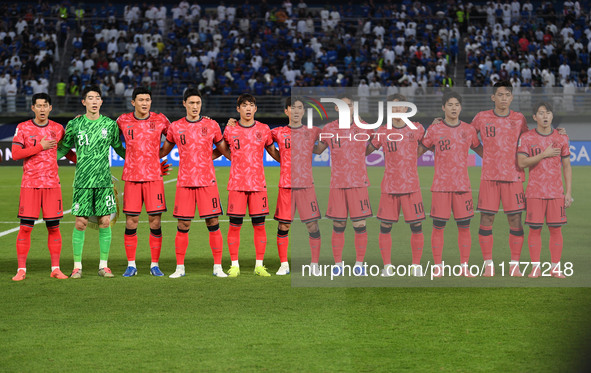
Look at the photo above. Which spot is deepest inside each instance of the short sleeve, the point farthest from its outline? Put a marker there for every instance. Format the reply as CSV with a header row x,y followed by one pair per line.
x,y
120,122
565,152
19,137
269,138
116,137
68,140
375,142
227,133
524,128
217,133
421,131
522,146
427,140
476,122
475,141
166,124
274,134
170,135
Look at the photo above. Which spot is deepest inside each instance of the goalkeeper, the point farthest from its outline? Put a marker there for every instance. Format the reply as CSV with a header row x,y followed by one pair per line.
x,y
92,134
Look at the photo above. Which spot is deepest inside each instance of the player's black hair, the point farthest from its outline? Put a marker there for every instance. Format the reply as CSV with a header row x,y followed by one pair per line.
x,y
191,92
288,101
40,96
141,91
397,96
545,104
502,83
91,88
448,95
245,97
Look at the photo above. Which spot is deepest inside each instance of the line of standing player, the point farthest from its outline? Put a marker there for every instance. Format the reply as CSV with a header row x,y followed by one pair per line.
x,y
450,139
92,135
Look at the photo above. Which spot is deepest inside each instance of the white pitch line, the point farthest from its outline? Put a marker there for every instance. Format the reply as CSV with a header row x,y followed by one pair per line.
x,y
65,213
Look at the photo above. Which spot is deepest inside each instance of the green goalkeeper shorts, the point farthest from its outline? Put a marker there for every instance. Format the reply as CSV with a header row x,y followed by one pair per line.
x,y
93,202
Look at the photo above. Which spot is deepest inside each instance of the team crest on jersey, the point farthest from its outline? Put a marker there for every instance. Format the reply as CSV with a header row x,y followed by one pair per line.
x,y
104,132
259,136
152,126
411,136
75,208
52,134
203,131
463,134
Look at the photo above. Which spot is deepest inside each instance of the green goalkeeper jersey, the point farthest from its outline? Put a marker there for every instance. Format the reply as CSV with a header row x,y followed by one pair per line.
x,y
92,140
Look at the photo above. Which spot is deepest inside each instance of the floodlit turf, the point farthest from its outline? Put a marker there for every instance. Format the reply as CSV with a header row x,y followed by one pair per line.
x,y
202,323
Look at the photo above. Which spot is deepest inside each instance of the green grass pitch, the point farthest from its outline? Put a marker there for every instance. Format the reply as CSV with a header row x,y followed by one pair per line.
x,y
202,323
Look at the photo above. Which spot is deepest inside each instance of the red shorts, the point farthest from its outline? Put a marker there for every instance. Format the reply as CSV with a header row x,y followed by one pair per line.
x,y
352,202
48,200
285,206
443,203
410,203
553,210
257,201
306,203
136,193
493,192
207,200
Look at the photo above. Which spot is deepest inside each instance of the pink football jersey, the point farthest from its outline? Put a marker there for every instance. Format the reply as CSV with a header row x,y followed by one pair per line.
x,y
451,145
347,155
142,144
545,178
195,142
247,145
400,174
303,140
39,170
499,141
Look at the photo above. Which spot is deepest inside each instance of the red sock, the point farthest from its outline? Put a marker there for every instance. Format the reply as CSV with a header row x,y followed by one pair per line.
x,y
417,241
437,244
234,240
534,241
360,243
464,243
485,238
282,244
260,240
23,244
385,243
216,242
130,242
516,243
315,243
181,242
54,244
155,244
338,243
555,243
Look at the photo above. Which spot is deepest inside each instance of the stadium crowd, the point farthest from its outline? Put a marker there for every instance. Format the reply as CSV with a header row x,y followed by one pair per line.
x,y
267,48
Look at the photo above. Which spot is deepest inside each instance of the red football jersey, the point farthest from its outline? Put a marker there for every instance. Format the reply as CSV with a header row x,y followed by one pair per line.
x,y
347,155
303,140
400,174
451,145
142,144
247,145
545,178
195,143
282,136
499,140
39,170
